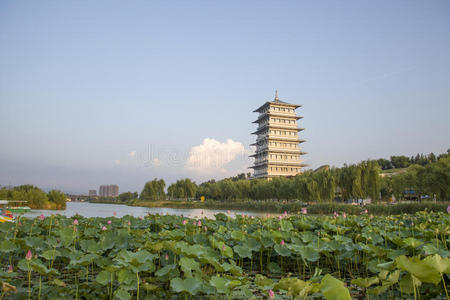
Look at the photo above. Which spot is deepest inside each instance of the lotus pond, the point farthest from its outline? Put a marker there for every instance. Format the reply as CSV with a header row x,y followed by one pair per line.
x,y
171,257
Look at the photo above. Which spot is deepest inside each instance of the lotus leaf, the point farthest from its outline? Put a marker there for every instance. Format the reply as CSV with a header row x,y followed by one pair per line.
x,y
334,289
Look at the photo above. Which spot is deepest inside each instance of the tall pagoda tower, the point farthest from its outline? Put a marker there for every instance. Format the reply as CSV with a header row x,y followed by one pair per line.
x,y
277,144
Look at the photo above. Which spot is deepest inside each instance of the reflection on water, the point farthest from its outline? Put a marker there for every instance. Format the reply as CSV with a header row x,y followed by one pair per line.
x,y
107,210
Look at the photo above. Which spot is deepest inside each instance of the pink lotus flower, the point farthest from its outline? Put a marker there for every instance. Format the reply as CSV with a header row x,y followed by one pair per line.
x,y
141,218
285,213
280,217
184,222
448,209
271,294
109,222
115,214
335,214
41,217
366,211
282,243
344,215
129,223
199,224
252,217
304,211
29,255
10,268
166,257
229,212
104,228
75,222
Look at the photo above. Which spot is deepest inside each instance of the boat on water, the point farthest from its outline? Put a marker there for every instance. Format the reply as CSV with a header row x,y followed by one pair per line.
x,y
17,206
5,214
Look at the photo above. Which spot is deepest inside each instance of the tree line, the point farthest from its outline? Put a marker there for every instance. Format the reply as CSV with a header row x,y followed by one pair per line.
x,y
401,161
35,197
427,176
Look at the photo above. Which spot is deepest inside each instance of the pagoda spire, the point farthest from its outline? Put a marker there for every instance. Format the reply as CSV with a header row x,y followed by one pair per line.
x,y
276,96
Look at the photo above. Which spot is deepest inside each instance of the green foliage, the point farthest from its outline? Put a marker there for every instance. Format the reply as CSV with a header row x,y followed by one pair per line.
x,y
182,189
153,190
35,197
58,198
320,257
125,197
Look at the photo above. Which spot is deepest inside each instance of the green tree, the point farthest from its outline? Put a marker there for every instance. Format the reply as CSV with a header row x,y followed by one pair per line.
x,y
58,198
153,190
400,161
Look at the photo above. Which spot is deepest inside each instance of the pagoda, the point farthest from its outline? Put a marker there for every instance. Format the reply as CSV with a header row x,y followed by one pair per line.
x,y
277,144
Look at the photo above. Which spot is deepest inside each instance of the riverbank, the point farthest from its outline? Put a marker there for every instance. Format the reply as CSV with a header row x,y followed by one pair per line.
x,y
295,207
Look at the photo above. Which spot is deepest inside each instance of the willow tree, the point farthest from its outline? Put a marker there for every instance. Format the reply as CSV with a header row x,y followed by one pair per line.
x,y
153,190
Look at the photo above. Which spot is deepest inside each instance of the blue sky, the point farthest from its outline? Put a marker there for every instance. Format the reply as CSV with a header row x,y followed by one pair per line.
x,y
98,92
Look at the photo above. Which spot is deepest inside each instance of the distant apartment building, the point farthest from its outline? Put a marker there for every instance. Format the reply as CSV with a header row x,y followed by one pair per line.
x,y
92,193
111,190
278,151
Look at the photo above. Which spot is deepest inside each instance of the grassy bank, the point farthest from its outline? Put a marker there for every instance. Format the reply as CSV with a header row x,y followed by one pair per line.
x,y
294,207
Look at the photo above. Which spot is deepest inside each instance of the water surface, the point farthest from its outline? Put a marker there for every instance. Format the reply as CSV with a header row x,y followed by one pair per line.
x,y
87,209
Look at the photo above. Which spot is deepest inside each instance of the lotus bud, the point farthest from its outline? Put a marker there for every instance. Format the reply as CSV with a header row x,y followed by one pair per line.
x,y
271,294
29,255
10,268
282,243
109,222
104,228
75,222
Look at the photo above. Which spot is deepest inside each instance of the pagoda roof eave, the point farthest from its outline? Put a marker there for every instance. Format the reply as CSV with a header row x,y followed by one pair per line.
x,y
279,102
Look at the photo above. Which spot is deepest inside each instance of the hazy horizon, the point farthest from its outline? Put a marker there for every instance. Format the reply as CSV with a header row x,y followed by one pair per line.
x,y
107,92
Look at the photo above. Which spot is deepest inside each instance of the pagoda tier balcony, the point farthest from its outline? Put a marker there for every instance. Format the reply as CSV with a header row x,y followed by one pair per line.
x,y
283,138
269,162
277,151
277,114
278,126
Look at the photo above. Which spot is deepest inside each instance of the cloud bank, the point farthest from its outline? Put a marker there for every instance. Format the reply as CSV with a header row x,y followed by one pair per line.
x,y
211,155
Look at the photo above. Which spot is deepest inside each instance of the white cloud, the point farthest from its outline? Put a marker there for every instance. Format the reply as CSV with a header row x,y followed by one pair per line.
x,y
132,154
211,155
